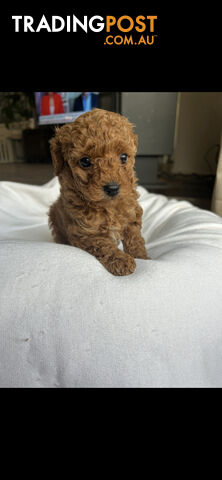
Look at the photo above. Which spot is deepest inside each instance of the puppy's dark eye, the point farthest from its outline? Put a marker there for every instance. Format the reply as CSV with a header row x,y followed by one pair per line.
x,y
85,162
124,157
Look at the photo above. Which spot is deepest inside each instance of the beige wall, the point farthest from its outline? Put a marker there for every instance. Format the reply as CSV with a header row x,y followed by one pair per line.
x,y
199,127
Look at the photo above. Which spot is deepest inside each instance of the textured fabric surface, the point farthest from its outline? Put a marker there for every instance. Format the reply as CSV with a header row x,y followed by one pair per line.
x,y
66,322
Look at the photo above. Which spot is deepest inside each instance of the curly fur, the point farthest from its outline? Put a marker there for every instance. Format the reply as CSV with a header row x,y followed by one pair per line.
x,y
84,216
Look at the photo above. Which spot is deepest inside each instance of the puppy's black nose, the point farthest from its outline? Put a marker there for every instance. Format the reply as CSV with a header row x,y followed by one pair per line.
x,y
111,189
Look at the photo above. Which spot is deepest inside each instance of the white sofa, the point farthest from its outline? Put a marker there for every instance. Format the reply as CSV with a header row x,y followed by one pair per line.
x,y
66,322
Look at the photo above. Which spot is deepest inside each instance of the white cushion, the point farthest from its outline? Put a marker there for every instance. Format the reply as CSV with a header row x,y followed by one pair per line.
x,y
66,322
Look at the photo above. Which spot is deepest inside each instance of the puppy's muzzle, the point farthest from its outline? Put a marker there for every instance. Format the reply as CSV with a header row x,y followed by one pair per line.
x,y
111,189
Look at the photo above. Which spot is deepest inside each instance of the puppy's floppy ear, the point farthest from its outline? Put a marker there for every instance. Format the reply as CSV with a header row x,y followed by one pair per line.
x,y
135,139
56,153
134,136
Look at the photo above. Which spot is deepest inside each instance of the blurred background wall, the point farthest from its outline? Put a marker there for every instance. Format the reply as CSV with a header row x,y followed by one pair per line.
x,y
198,132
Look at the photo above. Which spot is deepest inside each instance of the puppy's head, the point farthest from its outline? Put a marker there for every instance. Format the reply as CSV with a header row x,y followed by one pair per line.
x,y
96,155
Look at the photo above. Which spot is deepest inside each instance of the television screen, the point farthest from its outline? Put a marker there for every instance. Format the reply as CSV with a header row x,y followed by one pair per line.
x,y
63,107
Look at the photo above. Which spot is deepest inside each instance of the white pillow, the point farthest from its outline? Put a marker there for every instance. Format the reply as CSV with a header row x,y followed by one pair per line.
x,y
66,322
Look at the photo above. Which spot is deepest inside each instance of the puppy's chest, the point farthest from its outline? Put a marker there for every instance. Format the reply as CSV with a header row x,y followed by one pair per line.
x,y
114,226
103,222
115,235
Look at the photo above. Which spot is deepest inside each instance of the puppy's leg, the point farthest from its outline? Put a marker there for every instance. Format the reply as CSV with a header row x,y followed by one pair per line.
x,y
106,251
133,242
55,224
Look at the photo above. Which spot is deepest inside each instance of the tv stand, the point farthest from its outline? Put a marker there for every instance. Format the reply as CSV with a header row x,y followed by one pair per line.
x,y
36,144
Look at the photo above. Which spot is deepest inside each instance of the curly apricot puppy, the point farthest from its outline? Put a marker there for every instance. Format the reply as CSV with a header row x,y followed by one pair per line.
x,y
97,207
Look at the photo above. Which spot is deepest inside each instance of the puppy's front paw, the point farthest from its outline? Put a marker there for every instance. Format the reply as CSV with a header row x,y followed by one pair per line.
x,y
123,264
142,255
